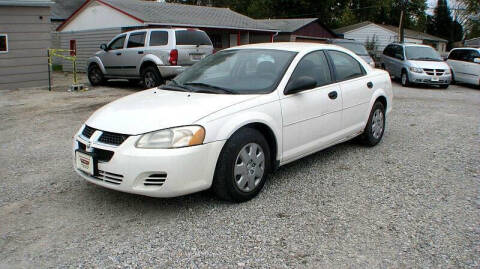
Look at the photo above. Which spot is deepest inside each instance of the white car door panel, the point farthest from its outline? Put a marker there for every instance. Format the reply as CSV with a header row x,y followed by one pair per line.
x,y
313,118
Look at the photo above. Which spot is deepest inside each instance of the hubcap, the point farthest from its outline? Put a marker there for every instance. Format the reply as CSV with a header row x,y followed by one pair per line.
x,y
377,123
404,78
149,80
249,167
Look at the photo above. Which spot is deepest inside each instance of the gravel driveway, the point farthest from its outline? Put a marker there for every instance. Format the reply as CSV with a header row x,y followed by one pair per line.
x,y
412,201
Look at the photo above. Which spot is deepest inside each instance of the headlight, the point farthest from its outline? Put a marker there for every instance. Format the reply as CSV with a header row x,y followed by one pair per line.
x,y
177,137
416,70
447,72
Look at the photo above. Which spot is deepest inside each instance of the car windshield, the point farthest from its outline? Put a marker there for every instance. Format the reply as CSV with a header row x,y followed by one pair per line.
x,y
244,71
422,53
358,49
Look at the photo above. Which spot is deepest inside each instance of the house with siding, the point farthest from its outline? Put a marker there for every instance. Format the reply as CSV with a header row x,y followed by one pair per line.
x,y
300,30
386,34
24,40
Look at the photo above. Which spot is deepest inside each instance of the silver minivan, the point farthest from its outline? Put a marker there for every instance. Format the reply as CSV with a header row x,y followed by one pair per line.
x,y
416,64
149,55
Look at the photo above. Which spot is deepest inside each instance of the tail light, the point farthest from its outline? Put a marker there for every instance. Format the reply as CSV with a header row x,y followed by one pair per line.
x,y
173,57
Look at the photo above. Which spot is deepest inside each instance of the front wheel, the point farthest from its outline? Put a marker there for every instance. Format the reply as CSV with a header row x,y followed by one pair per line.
x,y
95,75
375,128
405,80
242,166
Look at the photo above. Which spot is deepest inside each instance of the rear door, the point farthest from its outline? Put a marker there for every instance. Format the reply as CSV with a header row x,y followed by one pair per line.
x,y
356,88
133,53
192,45
112,58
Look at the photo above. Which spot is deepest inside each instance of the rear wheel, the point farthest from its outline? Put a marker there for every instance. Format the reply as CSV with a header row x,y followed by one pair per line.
x,y
445,86
375,128
404,79
95,75
151,77
242,166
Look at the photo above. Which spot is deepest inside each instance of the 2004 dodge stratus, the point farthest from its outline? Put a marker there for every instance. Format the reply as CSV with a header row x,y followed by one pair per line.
x,y
232,118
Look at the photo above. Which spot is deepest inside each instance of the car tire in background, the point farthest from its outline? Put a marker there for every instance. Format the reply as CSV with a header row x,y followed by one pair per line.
x,y
375,128
242,166
95,75
151,77
404,79
444,86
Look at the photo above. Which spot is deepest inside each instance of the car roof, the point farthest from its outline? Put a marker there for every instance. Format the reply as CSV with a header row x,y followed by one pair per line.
x,y
466,48
165,29
290,46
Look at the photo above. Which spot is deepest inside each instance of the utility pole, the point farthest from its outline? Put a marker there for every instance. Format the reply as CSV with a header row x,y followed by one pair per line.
x,y
401,25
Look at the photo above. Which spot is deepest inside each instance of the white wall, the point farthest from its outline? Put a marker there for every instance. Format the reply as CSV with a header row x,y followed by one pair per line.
x,y
99,16
363,34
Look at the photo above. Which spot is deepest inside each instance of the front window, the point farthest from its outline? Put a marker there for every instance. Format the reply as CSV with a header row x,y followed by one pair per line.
x,y
248,71
3,43
358,49
422,54
117,43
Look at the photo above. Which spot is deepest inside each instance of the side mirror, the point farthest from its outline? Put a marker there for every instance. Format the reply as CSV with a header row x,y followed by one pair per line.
x,y
476,60
300,84
103,47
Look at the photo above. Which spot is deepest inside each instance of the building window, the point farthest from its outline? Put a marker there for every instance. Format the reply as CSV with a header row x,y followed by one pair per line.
x,y
3,43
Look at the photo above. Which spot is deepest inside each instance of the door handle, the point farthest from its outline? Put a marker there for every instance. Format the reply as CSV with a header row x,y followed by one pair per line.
x,y
118,53
140,52
333,95
370,85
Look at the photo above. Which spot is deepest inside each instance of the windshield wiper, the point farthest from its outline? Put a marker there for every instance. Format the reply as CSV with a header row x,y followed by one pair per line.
x,y
212,88
175,86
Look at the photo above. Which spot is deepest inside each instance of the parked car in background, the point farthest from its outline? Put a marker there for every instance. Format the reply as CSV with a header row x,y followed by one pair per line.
x,y
355,46
149,55
229,120
416,64
465,64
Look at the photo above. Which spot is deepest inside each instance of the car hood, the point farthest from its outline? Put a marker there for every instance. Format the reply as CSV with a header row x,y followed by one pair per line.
x,y
156,109
366,58
429,64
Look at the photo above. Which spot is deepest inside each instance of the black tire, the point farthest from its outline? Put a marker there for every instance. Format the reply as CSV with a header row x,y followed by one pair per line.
x,y
95,75
368,138
405,81
444,86
134,81
151,77
225,181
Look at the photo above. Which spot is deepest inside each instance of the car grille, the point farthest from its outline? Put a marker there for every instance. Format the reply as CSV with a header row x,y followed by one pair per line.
x,y
112,138
109,177
88,131
430,81
434,72
101,155
155,179
106,137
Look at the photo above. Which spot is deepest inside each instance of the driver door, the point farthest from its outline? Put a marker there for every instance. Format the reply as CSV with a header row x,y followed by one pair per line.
x,y
312,119
112,58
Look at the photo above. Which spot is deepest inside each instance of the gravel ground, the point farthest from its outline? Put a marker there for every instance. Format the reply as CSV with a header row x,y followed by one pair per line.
x,y
412,201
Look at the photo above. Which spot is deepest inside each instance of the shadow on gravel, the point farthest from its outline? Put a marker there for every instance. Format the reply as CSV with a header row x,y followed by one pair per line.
x,y
124,202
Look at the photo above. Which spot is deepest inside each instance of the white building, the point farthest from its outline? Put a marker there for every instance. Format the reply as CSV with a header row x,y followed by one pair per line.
x,y
386,34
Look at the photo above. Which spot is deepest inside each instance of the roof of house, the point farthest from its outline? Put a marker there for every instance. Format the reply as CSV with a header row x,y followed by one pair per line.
x,y
62,9
27,3
160,13
288,25
408,32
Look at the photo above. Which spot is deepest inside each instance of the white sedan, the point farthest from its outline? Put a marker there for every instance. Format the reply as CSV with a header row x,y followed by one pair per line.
x,y
232,118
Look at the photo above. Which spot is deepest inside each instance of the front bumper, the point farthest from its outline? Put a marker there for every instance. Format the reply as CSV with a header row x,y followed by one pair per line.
x,y
423,78
180,171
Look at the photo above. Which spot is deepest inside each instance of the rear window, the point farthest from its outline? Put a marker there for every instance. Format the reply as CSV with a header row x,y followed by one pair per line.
x,y
159,38
192,37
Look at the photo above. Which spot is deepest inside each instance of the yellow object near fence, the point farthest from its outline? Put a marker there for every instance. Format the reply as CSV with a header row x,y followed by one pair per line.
x,y
71,57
